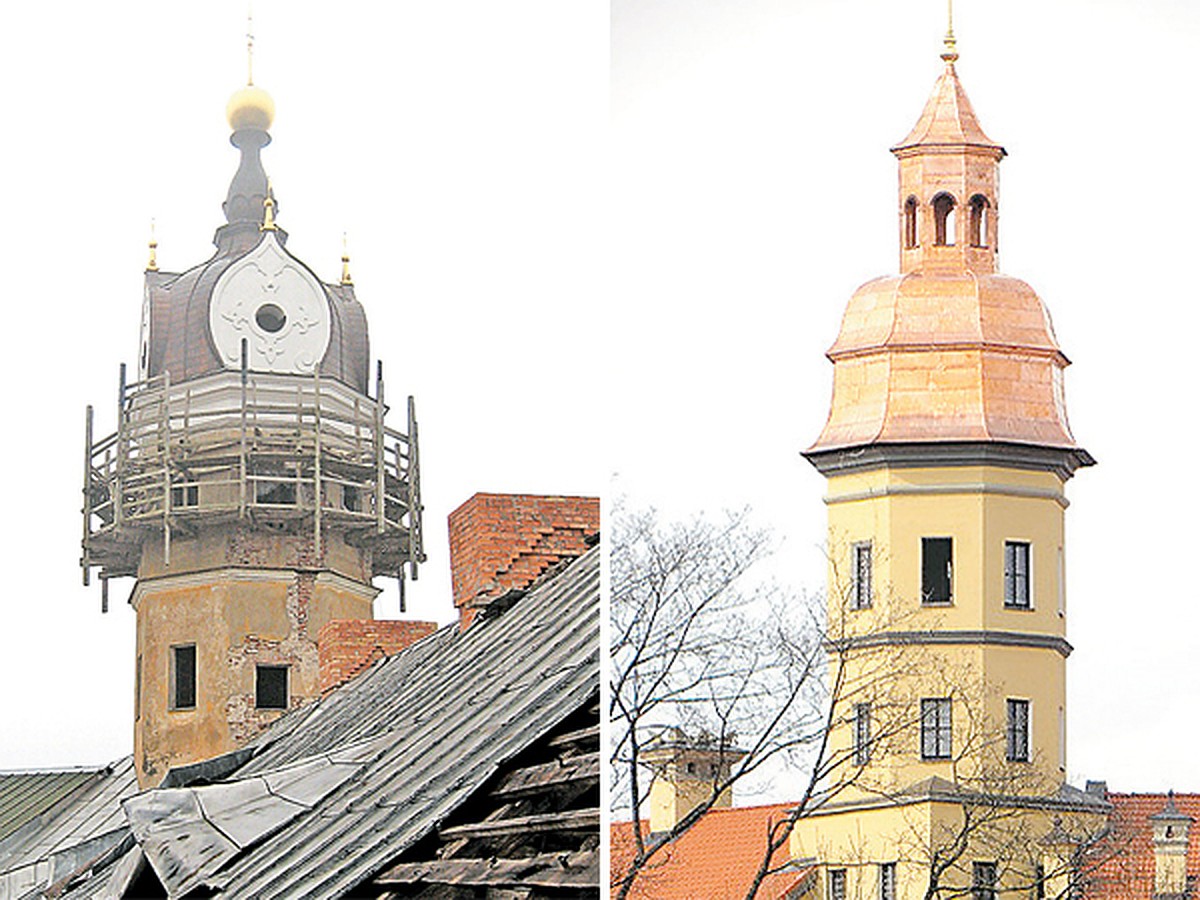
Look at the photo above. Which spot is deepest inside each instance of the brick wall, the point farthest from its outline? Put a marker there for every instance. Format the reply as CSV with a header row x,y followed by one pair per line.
x,y
502,542
347,646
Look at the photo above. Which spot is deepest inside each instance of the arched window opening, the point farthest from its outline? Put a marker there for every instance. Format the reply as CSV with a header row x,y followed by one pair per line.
x,y
910,223
943,220
980,223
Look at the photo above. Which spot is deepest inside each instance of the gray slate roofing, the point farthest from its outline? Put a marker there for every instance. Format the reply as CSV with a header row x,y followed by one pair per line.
x,y
336,790
79,825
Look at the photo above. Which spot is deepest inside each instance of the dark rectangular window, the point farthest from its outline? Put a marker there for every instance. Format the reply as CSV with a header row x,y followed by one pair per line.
x,y
937,570
1016,574
185,495
861,589
935,728
1018,731
183,677
887,881
862,733
984,881
837,884
271,687
1039,882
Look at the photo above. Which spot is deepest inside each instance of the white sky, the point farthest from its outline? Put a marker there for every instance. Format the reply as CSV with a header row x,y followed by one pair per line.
x,y
459,144
570,293
754,191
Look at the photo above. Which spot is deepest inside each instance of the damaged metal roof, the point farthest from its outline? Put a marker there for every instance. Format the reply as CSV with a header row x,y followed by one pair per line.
x,y
337,789
82,823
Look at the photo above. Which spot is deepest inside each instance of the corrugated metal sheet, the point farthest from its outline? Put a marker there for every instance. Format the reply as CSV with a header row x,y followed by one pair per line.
x,y
24,795
79,826
440,719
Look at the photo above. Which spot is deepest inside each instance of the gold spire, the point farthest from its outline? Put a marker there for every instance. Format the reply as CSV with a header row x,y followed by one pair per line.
x,y
249,45
950,54
152,265
250,107
346,279
268,211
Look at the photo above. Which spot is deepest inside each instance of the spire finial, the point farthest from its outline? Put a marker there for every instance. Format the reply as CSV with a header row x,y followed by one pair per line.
x,y
346,279
950,54
249,44
268,223
152,265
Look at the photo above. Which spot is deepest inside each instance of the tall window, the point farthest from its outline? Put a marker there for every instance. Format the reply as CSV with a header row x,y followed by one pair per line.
x,y
978,225
183,677
1039,882
984,881
935,728
937,573
861,598
1016,574
862,733
910,223
1018,731
837,884
943,220
887,881
270,687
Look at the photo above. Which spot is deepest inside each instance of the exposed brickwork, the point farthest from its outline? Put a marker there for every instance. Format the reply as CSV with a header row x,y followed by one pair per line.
x,y
502,542
347,646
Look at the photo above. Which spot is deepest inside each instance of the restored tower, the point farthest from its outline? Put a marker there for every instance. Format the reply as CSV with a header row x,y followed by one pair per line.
x,y
252,485
947,451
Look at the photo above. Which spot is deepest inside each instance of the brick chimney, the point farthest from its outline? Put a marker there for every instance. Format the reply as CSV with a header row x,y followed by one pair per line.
x,y
347,646
504,542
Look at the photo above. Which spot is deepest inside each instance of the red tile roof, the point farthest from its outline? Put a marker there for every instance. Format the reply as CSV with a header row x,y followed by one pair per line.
x,y
1128,871
714,860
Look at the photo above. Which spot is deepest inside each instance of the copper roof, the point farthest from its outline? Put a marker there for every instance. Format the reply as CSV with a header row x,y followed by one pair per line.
x,y
948,119
946,357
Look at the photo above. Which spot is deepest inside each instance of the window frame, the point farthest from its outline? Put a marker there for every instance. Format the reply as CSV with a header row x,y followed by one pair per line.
x,y
927,598
862,733
1018,730
1018,585
837,884
173,682
860,598
259,669
932,750
983,880
887,881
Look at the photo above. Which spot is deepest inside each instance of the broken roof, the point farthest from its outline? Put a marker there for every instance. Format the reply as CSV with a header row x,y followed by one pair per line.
x,y
338,790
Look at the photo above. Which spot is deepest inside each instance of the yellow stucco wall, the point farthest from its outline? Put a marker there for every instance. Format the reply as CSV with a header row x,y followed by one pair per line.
x,y
980,508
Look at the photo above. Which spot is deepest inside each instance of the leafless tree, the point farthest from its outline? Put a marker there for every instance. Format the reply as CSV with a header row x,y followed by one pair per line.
x,y
698,641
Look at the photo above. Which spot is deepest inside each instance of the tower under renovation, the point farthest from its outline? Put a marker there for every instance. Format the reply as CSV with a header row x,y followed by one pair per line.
x,y
252,487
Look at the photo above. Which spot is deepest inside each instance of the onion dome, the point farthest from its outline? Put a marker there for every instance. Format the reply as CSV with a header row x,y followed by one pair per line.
x,y
252,287
949,359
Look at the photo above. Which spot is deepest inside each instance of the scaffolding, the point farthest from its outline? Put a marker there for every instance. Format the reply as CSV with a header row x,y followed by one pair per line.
x,y
287,451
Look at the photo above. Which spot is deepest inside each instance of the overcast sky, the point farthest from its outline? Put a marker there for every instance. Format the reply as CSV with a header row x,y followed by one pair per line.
x,y
754,191
460,145
578,277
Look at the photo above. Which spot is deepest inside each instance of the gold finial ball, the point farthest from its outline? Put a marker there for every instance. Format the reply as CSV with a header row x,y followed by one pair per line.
x,y
251,107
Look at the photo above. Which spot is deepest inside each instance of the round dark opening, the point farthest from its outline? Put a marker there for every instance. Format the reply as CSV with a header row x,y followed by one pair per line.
x,y
270,317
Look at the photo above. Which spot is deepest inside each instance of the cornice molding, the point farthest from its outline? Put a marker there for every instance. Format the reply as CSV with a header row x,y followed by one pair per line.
x,y
1029,640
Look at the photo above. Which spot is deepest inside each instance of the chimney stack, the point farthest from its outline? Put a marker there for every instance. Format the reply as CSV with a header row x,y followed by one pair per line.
x,y
686,771
501,543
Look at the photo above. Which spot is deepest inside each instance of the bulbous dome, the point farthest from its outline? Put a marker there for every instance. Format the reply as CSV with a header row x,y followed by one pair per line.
x,y
250,107
933,358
